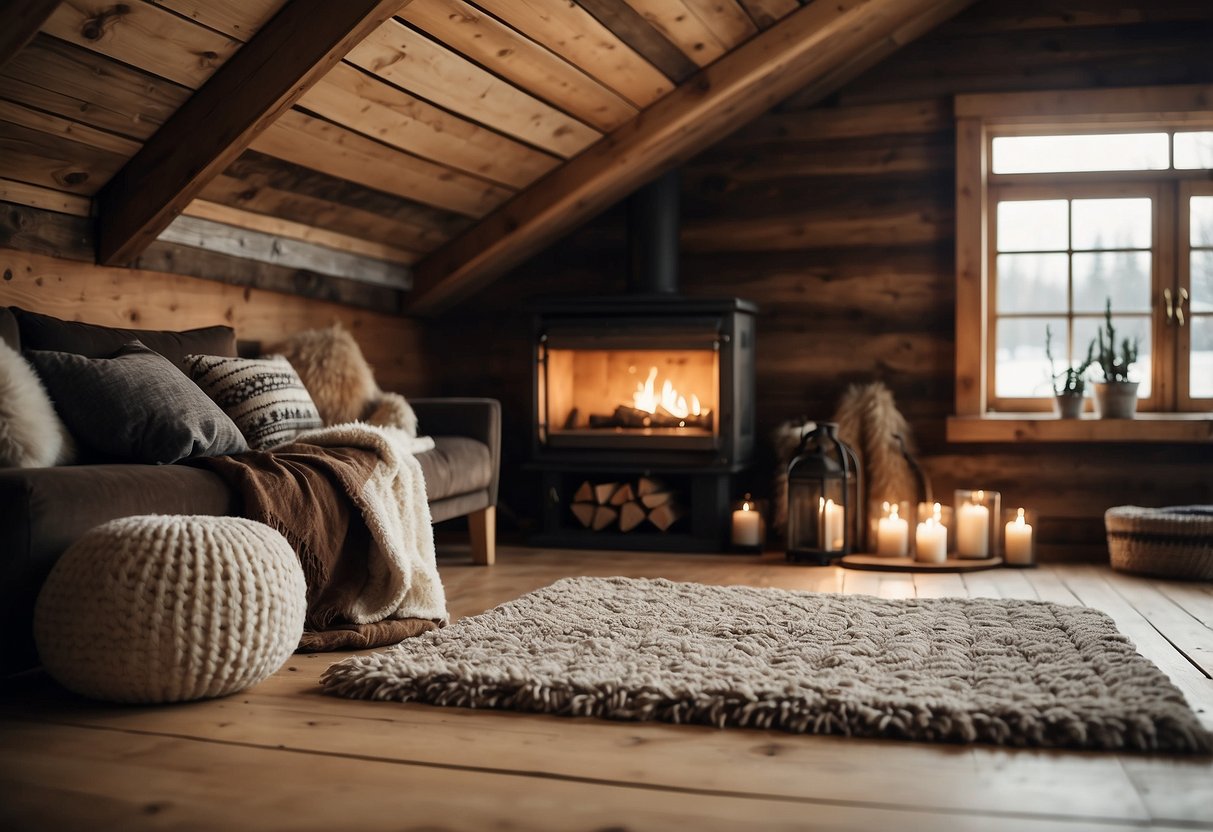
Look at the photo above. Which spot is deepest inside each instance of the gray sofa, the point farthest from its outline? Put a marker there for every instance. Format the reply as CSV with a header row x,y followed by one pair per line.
x,y
44,510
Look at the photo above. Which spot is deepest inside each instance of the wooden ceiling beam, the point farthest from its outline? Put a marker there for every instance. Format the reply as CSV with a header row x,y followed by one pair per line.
x,y
806,45
19,22
260,82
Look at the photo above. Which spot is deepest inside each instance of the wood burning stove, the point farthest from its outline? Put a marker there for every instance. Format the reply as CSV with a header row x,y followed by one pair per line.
x,y
647,385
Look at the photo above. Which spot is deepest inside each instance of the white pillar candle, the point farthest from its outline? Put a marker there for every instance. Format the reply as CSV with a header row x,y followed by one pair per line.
x,y
892,534
973,530
747,526
931,539
1019,540
833,524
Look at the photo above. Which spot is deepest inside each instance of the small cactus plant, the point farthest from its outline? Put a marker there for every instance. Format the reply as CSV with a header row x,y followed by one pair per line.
x,y
1115,367
1073,379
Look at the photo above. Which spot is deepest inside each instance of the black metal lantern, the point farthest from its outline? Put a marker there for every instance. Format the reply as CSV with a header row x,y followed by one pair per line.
x,y
825,515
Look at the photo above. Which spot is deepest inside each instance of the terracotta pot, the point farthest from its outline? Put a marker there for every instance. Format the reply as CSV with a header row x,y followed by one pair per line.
x,y
1069,405
1116,400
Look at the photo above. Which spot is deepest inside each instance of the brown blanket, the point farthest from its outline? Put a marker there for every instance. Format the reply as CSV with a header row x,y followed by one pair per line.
x,y
304,491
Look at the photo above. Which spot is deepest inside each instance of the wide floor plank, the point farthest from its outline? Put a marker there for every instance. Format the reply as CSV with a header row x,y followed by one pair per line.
x,y
284,754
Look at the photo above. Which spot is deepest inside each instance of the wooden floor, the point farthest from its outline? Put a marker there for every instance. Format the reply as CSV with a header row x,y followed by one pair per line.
x,y
284,756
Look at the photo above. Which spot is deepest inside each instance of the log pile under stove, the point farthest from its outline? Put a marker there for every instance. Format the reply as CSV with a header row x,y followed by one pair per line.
x,y
626,505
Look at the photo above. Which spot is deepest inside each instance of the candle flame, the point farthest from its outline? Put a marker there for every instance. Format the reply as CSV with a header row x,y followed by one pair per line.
x,y
937,514
1019,520
745,506
892,511
978,497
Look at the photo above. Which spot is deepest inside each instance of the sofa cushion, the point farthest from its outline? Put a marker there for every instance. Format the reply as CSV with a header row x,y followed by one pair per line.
x,y
42,332
135,406
264,396
456,465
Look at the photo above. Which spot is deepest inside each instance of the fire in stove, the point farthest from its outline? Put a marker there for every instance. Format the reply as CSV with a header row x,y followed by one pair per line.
x,y
652,409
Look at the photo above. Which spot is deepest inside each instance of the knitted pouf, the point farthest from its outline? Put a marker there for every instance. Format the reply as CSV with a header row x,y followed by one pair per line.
x,y
1175,542
170,608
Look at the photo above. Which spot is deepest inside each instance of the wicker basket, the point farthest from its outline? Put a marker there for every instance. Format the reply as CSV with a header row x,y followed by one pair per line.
x,y
1175,542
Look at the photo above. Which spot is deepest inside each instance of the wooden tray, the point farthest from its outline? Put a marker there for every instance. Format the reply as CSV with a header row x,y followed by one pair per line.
x,y
879,563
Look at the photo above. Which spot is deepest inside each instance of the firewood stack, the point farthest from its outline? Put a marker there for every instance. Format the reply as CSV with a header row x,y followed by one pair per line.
x,y
626,505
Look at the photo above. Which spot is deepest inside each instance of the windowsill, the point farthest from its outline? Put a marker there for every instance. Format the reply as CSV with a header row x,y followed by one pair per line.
x,y
1045,427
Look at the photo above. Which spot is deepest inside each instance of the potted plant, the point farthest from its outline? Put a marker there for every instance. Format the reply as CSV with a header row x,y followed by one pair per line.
x,y
1116,397
1070,385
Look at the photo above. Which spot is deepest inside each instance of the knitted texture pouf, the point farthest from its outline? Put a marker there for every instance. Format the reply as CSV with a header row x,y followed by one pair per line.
x,y
1175,542
170,608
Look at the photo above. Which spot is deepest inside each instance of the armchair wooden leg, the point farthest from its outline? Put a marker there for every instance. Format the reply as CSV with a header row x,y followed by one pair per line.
x,y
483,527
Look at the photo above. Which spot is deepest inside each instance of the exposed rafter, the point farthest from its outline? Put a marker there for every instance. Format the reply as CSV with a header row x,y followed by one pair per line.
x,y
290,53
810,44
19,22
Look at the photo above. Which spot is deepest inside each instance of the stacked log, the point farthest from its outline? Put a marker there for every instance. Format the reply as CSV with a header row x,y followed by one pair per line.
x,y
626,505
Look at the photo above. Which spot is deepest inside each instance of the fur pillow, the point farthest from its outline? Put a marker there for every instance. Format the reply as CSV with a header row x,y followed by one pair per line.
x,y
333,370
31,433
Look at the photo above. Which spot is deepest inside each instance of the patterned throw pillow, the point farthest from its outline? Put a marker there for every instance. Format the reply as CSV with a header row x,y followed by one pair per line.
x,y
264,396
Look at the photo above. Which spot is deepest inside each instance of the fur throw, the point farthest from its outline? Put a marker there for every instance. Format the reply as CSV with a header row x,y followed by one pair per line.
x,y
31,433
341,382
869,421
333,370
392,410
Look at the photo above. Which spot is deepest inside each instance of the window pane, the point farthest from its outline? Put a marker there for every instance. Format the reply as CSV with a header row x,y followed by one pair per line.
x,y
1193,150
1055,154
1201,218
1202,281
1200,371
1031,283
1123,276
1112,223
1020,367
1034,225
1084,334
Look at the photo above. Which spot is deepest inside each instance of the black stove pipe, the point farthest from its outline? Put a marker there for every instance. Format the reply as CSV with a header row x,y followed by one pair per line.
x,y
653,222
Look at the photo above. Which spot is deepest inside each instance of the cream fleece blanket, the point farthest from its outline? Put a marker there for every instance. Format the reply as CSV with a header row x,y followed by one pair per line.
x,y
404,577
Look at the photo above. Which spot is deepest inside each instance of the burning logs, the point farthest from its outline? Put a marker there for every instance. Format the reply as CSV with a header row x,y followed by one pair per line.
x,y
630,417
600,506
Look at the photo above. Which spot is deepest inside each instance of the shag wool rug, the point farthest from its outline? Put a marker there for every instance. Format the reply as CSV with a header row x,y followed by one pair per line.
x,y
1026,673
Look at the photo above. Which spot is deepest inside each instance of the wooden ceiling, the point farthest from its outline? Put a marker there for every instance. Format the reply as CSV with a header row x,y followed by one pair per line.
x,y
444,139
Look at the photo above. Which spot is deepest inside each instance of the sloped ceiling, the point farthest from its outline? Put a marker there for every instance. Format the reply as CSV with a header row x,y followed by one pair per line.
x,y
446,141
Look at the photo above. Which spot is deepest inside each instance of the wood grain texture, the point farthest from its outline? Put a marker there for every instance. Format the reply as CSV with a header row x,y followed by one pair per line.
x,y
66,758
77,84
734,89
246,96
153,299
46,232
36,196
765,13
329,148
530,66
366,104
635,30
65,128
675,20
143,36
418,65
573,33
239,19
266,224
39,158
219,237
20,21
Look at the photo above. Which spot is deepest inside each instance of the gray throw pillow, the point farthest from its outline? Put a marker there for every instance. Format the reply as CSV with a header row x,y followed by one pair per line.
x,y
135,405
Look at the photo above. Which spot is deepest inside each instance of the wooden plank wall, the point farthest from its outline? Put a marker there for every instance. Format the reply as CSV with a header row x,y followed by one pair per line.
x,y
838,220
144,299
